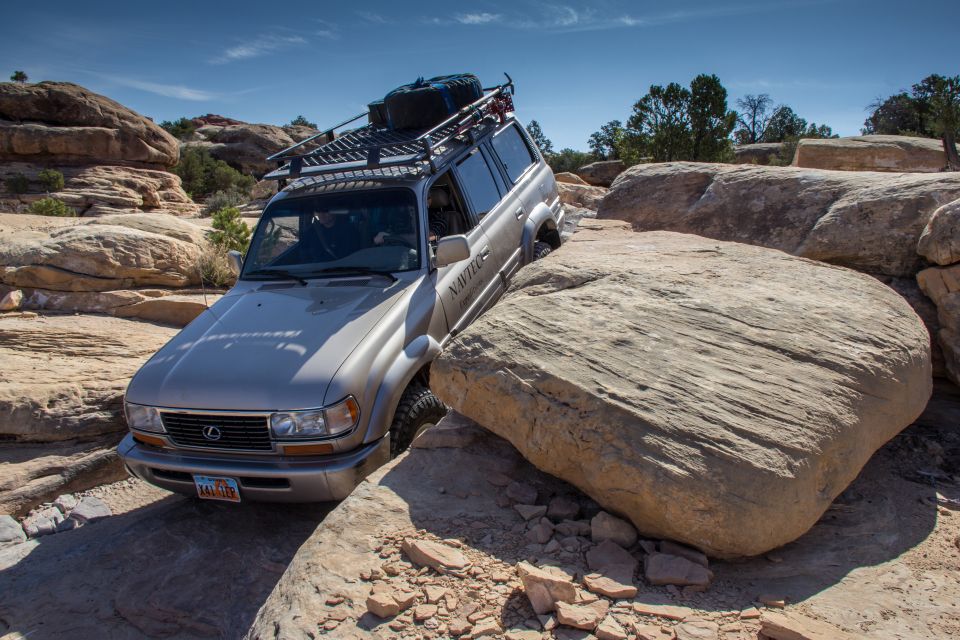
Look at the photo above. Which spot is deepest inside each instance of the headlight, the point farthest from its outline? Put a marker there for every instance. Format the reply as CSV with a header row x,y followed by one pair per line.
x,y
143,418
319,423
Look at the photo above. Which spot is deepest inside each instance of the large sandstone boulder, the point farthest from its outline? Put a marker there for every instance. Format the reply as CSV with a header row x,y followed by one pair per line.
x,y
867,221
104,257
718,394
602,173
942,285
872,153
63,377
759,153
940,240
63,123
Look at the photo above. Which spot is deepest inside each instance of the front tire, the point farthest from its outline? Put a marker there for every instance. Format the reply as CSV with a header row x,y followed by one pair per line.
x,y
418,410
541,250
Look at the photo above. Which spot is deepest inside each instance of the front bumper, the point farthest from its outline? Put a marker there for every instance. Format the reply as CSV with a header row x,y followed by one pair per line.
x,y
261,478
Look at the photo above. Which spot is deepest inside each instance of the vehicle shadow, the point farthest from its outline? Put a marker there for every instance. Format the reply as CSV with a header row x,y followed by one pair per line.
x,y
887,511
178,567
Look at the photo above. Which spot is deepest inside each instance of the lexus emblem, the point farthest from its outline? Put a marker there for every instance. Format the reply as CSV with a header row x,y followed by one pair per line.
x,y
211,432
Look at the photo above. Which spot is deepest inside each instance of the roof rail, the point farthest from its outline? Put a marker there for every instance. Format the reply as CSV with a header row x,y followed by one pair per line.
x,y
372,148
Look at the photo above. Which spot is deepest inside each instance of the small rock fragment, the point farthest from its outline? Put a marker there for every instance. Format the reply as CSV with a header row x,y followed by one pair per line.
x,y
458,627
11,532
90,509
424,612
573,528
12,300
522,634
613,581
530,511
664,569
65,503
610,629
610,553
382,605
521,492
545,586
693,555
582,616
604,526
405,599
433,554
563,508
750,613
697,630
668,611
539,534
486,627
780,625
773,601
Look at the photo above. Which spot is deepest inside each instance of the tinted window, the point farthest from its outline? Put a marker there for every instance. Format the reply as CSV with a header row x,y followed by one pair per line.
x,y
513,152
478,183
349,230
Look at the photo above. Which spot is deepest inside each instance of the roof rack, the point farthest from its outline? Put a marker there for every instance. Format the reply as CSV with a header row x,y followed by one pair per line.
x,y
373,150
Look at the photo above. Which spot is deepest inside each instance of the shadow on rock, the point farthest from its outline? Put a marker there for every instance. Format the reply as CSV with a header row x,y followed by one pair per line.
x,y
176,568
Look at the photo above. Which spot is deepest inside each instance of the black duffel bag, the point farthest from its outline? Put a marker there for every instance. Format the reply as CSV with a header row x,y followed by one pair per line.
x,y
426,103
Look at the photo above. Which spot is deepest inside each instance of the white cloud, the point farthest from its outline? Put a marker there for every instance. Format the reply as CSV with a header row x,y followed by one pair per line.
x,y
259,46
370,16
477,18
167,90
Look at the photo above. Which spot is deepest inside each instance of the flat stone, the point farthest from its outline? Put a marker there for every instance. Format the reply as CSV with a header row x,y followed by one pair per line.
x,y
434,593
649,631
662,569
539,534
697,630
405,599
486,627
382,605
434,554
66,503
453,431
693,555
521,492
774,601
90,509
458,627
582,616
610,553
610,629
604,526
563,508
42,522
424,612
573,527
545,586
522,634
613,581
750,613
668,611
782,625
530,511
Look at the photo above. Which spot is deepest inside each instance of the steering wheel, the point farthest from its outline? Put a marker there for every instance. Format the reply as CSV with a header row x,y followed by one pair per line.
x,y
396,241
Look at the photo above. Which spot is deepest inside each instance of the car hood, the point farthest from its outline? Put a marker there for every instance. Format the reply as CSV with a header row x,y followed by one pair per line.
x,y
269,347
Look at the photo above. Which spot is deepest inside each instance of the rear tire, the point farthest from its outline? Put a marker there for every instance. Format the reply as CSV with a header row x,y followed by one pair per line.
x,y
418,410
541,250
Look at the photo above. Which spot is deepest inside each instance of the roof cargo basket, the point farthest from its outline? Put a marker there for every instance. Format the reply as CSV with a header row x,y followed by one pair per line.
x,y
372,148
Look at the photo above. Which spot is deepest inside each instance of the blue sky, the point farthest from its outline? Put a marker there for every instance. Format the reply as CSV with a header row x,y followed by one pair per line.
x,y
576,65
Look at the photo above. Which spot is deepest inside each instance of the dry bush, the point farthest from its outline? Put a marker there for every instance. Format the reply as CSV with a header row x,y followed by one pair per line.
x,y
215,268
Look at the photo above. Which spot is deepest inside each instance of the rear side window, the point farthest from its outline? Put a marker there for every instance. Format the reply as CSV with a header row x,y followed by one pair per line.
x,y
478,183
513,152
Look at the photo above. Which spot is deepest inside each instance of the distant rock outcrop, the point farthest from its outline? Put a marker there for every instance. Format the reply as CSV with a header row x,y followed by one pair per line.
x,y
872,153
602,173
760,153
113,160
246,146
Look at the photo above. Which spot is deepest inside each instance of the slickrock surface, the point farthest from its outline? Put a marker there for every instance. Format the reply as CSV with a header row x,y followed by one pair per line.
x,y
727,392
864,220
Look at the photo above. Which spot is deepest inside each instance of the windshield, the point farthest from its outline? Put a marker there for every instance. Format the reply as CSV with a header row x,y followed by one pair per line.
x,y
336,232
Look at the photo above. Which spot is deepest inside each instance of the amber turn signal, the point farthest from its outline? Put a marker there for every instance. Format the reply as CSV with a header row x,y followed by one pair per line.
x,y
307,449
153,441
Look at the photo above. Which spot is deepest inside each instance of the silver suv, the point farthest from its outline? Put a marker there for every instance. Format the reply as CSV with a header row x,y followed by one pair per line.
x,y
315,368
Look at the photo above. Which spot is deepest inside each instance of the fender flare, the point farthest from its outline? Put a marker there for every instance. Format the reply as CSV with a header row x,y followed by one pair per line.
x,y
420,352
539,217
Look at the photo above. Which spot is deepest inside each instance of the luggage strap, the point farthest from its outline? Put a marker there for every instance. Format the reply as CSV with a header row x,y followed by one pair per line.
x,y
446,95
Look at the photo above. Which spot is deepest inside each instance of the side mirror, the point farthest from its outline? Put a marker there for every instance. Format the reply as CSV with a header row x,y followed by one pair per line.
x,y
235,258
452,249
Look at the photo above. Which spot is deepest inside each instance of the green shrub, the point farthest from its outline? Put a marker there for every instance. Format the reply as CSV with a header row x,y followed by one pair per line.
x,y
230,231
223,199
300,121
51,179
17,183
215,268
202,174
52,207
182,128
569,160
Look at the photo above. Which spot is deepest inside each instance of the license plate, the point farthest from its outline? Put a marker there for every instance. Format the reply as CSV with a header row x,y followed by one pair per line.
x,y
217,488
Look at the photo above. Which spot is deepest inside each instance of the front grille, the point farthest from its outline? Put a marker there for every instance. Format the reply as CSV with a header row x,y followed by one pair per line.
x,y
236,432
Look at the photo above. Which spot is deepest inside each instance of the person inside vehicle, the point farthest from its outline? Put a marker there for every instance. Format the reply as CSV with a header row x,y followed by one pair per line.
x,y
330,237
436,218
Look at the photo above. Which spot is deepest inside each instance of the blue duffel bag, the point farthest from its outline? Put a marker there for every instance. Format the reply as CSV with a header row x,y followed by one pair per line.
x,y
426,103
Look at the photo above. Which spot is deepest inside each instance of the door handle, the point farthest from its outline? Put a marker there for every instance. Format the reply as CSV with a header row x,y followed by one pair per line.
x,y
485,253
519,213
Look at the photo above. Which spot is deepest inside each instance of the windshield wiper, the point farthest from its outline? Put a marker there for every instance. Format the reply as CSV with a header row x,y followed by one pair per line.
x,y
279,273
358,271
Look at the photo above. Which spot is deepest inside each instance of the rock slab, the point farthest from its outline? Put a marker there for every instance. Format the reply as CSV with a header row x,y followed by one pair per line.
x,y
702,371
872,153
867,221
